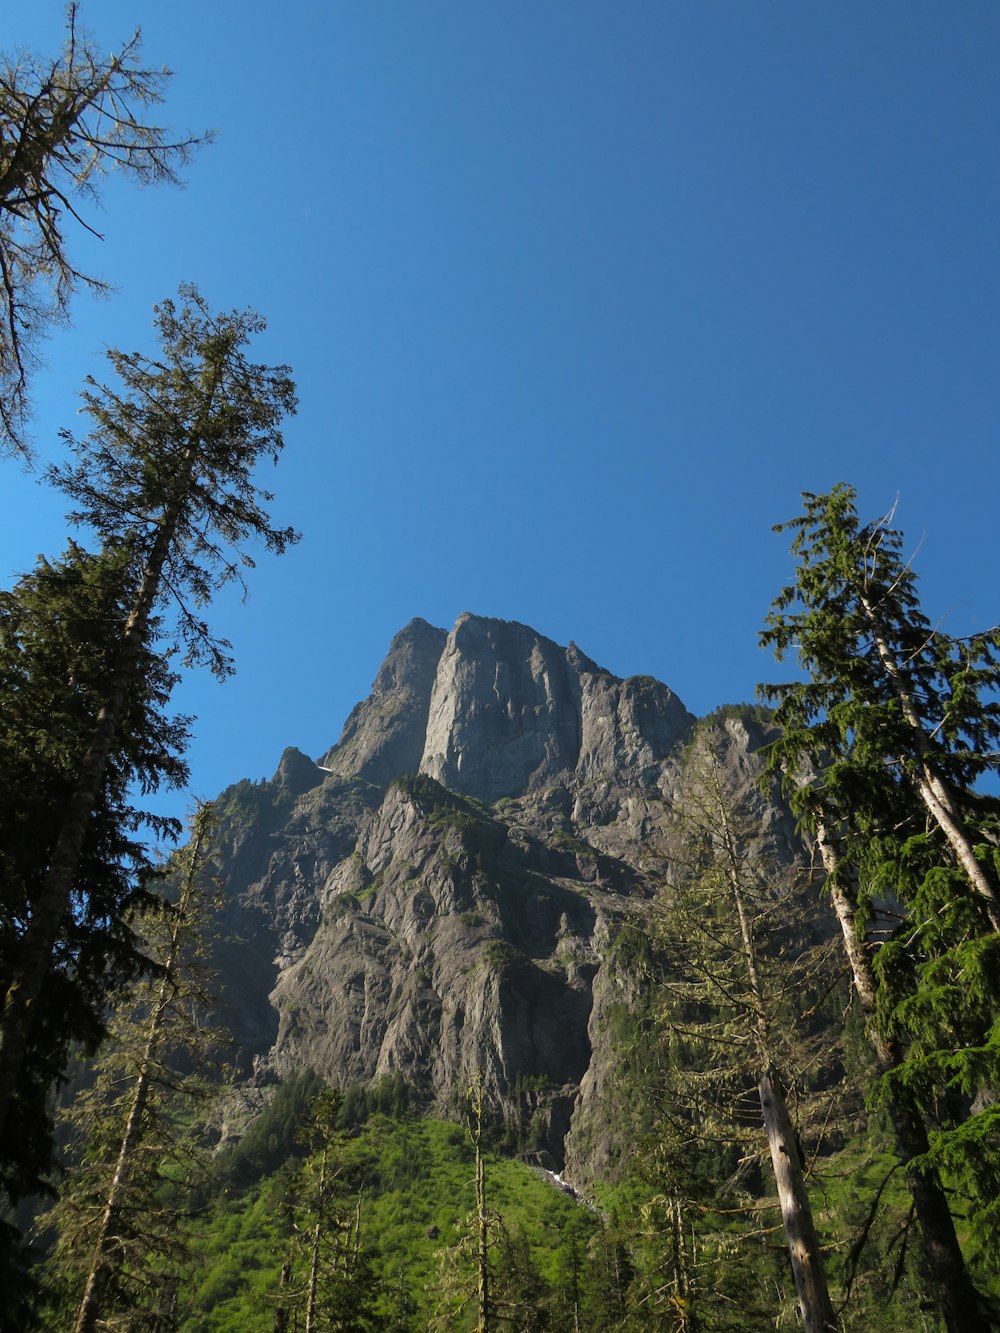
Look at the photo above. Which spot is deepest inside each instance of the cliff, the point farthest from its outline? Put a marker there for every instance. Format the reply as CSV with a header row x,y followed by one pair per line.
x,y
443,891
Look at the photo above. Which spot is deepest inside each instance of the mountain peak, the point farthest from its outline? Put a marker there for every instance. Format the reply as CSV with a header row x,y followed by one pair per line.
x,y
494,708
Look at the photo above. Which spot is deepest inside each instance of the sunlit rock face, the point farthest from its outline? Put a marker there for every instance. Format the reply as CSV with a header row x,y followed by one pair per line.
x,y
505,713
495,709
442,893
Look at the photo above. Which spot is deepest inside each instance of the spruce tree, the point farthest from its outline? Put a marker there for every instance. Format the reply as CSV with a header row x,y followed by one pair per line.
x,y
882,744
136,1155
58,641
65,124
165,481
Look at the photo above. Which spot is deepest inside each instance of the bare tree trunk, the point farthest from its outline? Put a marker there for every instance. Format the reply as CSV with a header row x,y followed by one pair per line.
x,y
815,1306
281,1313
356,1247
101,1262
482,1217
948,1278
317,1238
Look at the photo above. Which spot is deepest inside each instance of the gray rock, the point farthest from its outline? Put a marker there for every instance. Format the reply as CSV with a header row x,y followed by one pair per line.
x,y
505,712
384,735
445,900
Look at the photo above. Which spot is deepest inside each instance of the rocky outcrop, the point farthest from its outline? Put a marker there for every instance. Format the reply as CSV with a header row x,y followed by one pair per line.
x,y
444,893
384,735
495,709
505,714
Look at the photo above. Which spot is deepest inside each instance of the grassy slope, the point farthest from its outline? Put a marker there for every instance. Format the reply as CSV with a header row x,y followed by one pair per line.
x,y
419,1179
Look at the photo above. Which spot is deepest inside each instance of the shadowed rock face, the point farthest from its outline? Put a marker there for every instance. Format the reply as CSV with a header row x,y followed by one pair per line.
x,y
384,735
440,896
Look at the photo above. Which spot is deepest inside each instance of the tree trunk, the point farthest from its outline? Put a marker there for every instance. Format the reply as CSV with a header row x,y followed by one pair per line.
x,y
100,1265
27,162
933,790
945,1272
681,1279
800,1234
483,1230
281,1313
815,1306
317,1237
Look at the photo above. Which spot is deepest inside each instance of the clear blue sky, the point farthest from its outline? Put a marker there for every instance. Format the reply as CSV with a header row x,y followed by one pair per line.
x,y
579,297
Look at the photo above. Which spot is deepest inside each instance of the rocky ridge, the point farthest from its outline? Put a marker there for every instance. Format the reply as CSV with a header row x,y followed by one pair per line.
x,y
447,891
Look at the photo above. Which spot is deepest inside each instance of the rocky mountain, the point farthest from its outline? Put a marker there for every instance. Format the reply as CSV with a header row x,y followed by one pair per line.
x,y
454,886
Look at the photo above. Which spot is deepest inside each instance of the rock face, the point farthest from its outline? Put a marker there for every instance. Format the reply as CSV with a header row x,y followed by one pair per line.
x,y
444,892
384,736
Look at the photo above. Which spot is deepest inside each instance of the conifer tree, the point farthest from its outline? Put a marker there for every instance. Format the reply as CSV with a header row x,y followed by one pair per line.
x,y
736,956
881,746
891,704
476,1101
65,124
335,1290
520,1293
165,481
58,640
468,1269
116,1220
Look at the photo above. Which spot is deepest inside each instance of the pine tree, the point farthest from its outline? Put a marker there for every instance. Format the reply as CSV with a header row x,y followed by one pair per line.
x,y
64,125
164,479
881,745
335,1290
58,639
737,965
117,1217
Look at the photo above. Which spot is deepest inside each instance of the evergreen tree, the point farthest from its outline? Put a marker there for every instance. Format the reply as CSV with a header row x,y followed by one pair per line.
x,y
739,963
337,1291
64,125
880,747
116,1220
469,1268
58,640
476,1101
891,705
520,1293
164,479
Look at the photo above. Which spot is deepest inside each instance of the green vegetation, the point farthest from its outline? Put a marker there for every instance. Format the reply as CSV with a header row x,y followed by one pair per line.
x,y
444,809
66,124
756,713
343,1208
501,954
136,1153
881,747
415,1180
574,844
162,485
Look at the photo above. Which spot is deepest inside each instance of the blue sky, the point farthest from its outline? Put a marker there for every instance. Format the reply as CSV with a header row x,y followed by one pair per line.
x,y
579,297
